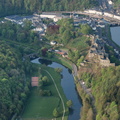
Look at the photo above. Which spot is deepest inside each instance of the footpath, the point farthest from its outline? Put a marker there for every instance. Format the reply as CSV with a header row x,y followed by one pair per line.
x,y
58,94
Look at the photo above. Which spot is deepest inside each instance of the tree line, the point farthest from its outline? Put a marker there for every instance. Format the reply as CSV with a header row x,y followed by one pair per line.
x,y
15,74
18,33
14,82
8,7
105,86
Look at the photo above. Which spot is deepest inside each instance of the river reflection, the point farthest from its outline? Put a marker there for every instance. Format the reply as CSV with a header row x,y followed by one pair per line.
x,y
46,62
115,33
67,83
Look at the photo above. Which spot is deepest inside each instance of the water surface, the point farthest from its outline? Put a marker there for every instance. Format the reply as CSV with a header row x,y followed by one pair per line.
x,y
115,33
67,83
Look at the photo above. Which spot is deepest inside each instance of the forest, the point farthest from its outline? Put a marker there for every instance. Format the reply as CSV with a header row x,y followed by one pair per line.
x,y
108,98
14,73
116,3
14,83
9,7
105,86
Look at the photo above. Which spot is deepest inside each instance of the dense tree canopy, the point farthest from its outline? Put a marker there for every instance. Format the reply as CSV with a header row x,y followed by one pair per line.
x,y
105,85
16,32
8,7
14,82
13,91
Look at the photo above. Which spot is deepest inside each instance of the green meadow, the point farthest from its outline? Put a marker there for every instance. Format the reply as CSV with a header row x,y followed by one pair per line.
x,y
41,107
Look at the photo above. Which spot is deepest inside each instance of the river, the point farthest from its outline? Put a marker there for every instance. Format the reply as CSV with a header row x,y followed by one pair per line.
x,y
67,83
115,33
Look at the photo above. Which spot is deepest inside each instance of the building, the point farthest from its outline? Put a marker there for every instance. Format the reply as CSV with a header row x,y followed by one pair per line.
x,y
97,52
53,42
19,19
108,14
39,29
63,54
34,81
101,24
54,16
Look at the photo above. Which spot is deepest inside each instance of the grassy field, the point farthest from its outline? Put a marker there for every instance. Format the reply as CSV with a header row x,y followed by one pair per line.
x,y
41,108
38,106
79,43
62,61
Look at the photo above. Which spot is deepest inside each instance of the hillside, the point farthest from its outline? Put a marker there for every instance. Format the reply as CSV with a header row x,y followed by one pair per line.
x,y
8,7
14,84
104,84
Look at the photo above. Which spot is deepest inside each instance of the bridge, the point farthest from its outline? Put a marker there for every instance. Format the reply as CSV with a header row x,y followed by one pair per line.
x,y
32,55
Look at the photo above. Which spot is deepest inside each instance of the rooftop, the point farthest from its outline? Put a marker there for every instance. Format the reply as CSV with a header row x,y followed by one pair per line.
x,y
34,81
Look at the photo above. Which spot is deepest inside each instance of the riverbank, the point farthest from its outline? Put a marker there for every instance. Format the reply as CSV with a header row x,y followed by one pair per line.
x,y
110,37
87,99
42,107
112,48
87,111
64,61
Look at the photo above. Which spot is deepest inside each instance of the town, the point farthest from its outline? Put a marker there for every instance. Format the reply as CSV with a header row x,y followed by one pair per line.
x,y
97,24
59,60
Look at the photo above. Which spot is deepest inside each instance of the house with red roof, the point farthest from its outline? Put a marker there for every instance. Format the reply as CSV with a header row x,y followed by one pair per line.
x,y
34,81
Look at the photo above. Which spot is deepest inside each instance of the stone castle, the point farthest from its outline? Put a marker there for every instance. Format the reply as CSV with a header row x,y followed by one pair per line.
x,y
97,51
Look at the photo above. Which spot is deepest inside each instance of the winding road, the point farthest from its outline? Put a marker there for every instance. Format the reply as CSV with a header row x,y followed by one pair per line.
x,y
87,91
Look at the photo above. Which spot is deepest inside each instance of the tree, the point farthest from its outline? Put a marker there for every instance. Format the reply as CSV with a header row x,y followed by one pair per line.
x,y
114,115
27,24
66,36
55,112
69,103
86,29
80,60
58,70
45,80
40,84
90,114
70,54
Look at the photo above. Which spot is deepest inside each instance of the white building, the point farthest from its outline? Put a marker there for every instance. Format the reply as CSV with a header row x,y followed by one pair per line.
x,y
108,14
54,16
117,17
93,12
39,29
110,2
53,42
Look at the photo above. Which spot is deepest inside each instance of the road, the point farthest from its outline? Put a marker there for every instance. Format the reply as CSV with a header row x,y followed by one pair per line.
x,y
86,90
74,67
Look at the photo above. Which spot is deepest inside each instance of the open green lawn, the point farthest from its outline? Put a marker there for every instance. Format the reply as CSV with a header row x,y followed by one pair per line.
x,y
42,107
39,106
